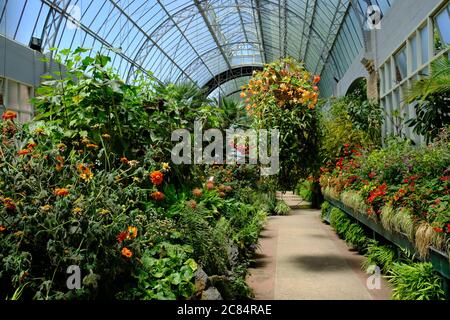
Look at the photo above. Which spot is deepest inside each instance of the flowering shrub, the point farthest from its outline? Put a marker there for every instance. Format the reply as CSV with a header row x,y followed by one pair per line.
x,y
412,181
283,96
85,185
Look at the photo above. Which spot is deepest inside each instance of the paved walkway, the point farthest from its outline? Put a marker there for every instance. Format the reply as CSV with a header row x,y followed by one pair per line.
x,y
302,258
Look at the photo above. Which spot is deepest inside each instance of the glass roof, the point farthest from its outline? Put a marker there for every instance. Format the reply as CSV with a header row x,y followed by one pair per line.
x,y
195,40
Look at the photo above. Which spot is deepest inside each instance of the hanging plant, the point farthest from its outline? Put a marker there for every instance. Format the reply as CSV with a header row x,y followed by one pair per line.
x,y
283,96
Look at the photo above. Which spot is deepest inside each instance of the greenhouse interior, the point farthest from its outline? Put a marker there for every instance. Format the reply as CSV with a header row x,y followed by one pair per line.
x,y
225,150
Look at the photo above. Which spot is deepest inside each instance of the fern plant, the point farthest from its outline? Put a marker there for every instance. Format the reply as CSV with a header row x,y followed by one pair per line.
x,y
417,281
382,256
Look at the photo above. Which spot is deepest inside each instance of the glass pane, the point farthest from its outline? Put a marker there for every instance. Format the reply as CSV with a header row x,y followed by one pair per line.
x,y
414,53
401,69
424,44
443,24
388,76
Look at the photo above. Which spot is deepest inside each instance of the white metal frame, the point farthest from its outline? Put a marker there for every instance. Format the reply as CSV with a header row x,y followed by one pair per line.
x,y
391,92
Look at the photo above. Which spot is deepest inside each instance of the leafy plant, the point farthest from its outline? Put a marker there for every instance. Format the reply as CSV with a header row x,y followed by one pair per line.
x,y
417,281
166,272
382,256
283,96
282,208
432,96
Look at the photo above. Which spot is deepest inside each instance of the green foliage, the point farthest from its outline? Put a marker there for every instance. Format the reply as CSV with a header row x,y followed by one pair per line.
x,y
203,236
166,273
417,281
382,256
349,121
432,95
282,208
304,190
283,96
324,209
351,232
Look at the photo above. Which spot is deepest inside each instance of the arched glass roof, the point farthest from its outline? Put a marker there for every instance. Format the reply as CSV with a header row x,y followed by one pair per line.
x,y
195,40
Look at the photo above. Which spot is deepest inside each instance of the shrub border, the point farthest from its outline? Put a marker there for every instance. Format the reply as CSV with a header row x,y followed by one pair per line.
x,y
438,259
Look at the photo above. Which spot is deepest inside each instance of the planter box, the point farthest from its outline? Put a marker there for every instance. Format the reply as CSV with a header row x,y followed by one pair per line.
x,y
439,259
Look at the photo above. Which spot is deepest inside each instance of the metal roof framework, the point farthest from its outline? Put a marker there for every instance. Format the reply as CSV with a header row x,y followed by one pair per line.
x,y
196,40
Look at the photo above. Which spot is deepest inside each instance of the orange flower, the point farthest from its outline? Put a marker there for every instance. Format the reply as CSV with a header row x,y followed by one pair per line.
x,y
92,146
243,95
124,160
132,232
9,204
2,228
9,115
85,173
23,152
210,185
127,252
156,177
31,145
62,192
197,192
316,79
158,196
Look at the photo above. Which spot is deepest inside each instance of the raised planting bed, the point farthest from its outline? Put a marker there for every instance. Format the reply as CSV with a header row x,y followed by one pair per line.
x,y
439,259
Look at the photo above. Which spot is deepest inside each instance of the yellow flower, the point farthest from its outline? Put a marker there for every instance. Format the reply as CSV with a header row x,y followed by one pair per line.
x,y
136,179
165,166
18,234
106,136
132,232
103,212
47,207
87,176
133,163
39,131
77,210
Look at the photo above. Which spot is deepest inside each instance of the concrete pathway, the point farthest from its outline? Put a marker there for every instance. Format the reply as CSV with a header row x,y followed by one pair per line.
x,y
302,258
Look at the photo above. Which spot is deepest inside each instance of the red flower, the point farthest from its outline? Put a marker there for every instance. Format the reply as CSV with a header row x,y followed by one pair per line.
x,y
445,178
439,230
437,201
121,236
372,175
405,180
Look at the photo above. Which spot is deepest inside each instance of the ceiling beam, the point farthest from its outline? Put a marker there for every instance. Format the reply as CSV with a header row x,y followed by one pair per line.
x,y
212,32
310,26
